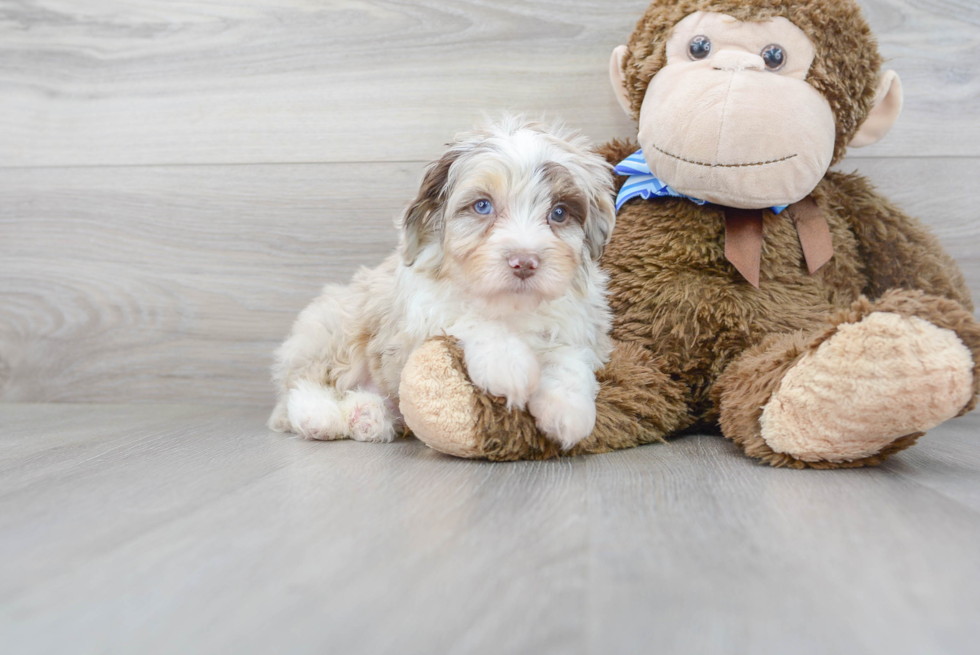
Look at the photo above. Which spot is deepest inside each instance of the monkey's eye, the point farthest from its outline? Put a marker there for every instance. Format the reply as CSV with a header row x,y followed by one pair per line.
x,y
558,215
774,56
700,47
482,206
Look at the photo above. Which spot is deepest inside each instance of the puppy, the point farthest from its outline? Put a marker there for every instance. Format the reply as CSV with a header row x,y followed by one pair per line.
x,y
499,250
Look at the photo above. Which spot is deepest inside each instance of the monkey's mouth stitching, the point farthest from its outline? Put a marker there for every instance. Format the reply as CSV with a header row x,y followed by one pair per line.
x,y
701,163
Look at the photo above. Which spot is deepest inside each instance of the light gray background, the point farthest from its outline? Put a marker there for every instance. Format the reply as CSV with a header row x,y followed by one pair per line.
x,y
177,179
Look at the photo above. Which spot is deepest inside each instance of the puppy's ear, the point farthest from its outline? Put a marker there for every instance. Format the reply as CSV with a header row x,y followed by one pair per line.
x,y
423,222
602,209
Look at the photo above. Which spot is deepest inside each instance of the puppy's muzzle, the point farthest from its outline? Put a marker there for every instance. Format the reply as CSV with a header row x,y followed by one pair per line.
x,y
523,265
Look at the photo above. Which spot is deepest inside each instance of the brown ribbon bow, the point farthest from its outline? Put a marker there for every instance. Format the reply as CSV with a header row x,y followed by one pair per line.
x,y
743,237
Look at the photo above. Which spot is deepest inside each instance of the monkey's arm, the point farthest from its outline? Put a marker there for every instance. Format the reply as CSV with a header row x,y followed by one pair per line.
x,y
897,251
637,404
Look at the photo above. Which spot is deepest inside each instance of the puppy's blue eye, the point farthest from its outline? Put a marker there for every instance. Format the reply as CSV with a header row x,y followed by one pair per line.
x,y
558,215
482,207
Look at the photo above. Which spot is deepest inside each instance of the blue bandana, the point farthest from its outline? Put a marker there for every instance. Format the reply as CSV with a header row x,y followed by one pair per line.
x,y
642,183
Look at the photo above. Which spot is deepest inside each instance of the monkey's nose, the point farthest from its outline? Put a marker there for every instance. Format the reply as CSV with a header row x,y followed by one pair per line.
x,y
523,265
734,60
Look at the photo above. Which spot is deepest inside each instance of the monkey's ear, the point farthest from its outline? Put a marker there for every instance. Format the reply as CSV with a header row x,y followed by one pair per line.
x,y
884,113
616,77
423,220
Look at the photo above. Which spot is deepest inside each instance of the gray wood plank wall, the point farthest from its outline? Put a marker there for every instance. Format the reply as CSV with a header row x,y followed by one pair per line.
x,y
178,179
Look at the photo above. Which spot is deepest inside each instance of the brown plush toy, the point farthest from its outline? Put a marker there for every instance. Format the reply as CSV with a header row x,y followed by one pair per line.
x,y
831,333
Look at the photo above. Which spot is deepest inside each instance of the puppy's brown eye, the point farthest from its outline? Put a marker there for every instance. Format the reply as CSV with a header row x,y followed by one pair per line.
x,y
558,215
774,56
700,47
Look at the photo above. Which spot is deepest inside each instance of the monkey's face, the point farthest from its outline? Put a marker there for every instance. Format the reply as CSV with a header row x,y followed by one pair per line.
x,y
731,119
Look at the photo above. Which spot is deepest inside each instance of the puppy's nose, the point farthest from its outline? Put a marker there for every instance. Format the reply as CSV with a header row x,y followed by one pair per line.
x,y
523,265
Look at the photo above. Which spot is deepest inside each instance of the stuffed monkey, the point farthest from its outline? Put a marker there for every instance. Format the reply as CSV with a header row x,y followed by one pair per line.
x,y
754,292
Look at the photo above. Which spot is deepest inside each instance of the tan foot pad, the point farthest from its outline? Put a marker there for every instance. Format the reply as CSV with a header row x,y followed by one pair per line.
x,y
874,381
438,401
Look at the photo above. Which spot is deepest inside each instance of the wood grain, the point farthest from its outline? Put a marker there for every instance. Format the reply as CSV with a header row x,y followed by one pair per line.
x,y
176,283
694,551
178,179
174,529
948,462
163,529
115,82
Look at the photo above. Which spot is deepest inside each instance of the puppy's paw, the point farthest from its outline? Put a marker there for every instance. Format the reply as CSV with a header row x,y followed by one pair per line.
x,y
314,412
505,367
279,420
565,418
367,417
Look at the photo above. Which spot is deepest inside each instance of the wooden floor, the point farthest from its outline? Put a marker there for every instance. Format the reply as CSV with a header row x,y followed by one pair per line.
x,y
178,179
192,529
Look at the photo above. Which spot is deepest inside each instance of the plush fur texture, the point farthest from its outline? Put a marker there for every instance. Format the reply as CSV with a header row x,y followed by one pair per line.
x,y
443,402
715,348
747,386
725,128
699,348
637,404
845,70
870,383
498,250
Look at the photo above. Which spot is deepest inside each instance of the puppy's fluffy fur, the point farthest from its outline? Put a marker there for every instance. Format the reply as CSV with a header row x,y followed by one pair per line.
x,y
499,249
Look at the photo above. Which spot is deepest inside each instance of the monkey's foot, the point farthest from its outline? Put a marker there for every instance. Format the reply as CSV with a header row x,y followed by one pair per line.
x,y
885,377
